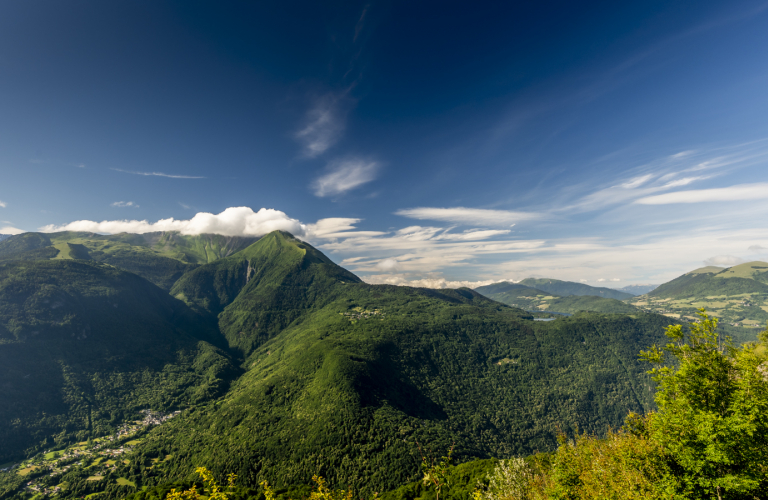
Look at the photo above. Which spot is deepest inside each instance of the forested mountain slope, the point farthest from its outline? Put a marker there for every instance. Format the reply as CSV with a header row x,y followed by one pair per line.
x,y
84,346
258,292
160,257
339,377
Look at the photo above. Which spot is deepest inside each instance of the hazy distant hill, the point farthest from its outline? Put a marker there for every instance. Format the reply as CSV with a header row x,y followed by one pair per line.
x,y
528,298
4,236
161,257
566,288
638,289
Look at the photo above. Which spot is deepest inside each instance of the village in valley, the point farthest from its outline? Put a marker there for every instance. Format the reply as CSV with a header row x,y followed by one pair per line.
x,y
99,456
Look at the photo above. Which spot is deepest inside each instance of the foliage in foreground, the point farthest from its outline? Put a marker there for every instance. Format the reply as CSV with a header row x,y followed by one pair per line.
x,y
709,438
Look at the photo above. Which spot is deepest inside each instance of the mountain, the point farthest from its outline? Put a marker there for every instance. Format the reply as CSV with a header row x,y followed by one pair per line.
x,y
160,257
567,288
737,295
335,376
5,236
751,277
84,346
344,377
528,298
638,289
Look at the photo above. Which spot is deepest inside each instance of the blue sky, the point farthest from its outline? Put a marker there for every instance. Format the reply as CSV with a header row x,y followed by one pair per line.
x,y
432,143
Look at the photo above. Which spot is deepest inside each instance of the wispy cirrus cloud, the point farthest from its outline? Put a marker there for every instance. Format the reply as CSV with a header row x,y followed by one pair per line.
x,y
324,123
124,204
463,215
345,175
158,174
741,192
3,204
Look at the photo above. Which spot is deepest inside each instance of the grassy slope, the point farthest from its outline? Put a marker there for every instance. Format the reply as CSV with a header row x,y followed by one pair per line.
x,y
566,288
331,391
84,346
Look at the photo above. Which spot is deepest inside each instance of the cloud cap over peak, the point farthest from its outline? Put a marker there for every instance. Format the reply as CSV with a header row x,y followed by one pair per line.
x,y
234,221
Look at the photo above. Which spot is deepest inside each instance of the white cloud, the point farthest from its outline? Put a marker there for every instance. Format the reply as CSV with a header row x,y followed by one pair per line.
x,y
723,260
462,215
324,124
337,227
158,174
439,283
757,248
3,204
637,181
11,230
741,192
345,175
682,154
683,182
387,265
124,204
234,221
472,234
185,206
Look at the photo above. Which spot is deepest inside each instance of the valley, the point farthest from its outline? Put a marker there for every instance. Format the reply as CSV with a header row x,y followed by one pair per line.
x,y
98,460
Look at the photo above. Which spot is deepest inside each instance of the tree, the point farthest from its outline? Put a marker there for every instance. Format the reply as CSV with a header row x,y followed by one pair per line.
x,y
712,418
435,473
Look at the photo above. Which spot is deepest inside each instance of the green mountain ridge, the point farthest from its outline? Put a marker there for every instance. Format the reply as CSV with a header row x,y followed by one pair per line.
x,y
160,257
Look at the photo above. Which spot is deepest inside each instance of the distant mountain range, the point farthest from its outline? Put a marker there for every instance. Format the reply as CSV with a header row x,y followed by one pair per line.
x,y
558,296
5,236
285,365
637,289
